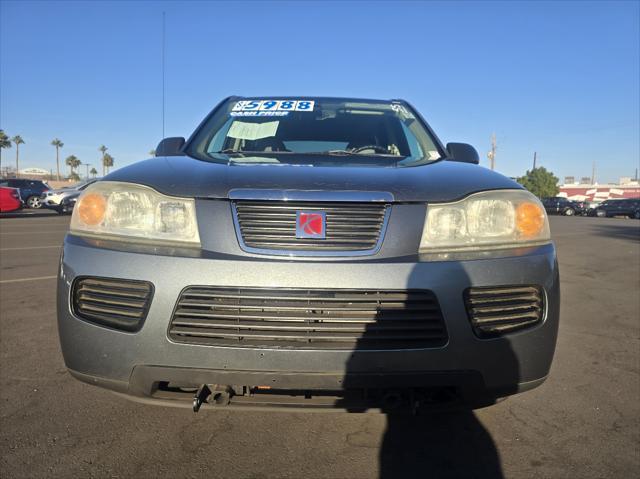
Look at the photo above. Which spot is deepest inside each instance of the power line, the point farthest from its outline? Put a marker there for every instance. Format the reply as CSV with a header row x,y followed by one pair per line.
x,y
163,69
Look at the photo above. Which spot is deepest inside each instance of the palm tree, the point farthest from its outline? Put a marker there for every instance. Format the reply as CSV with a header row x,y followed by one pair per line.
x,y
17,140
4,143
103,149
72,162
93,172
58,144
107,162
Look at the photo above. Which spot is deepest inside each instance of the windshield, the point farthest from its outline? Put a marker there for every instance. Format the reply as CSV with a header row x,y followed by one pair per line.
x,y
314,132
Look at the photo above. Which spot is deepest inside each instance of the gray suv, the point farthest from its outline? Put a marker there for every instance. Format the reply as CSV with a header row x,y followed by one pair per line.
x,y
312,253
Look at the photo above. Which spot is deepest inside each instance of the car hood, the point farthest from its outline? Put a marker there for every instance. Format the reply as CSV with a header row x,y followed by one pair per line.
x,y
189,177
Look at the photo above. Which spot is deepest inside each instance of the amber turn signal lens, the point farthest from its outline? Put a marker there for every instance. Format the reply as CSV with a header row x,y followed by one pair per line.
x,y
529,219
92,208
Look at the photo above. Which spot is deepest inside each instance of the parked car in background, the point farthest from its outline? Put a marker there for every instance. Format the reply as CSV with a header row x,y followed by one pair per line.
x,y
68,203
52,199
30,190
590,207
582,207
9,199
562,206
629,207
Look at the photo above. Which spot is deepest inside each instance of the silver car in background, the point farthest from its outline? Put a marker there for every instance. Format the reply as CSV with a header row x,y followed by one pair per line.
x,y
53,199
311,253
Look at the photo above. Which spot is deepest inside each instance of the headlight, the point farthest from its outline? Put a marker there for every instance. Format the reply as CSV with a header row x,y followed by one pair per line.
x,y
492,219
127,211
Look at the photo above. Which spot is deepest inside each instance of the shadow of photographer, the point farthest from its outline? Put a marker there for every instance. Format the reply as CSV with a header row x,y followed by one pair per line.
x,y
437,439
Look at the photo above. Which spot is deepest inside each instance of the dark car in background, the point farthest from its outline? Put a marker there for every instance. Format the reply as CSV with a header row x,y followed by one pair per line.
x,y
559,205
67,203
629,207
31,191
309,252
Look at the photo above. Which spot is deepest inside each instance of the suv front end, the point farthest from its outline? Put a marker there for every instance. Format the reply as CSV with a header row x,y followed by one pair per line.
x,y
357,295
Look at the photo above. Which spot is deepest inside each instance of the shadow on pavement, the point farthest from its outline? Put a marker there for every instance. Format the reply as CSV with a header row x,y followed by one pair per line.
x,y
29,214
443,440
630,231
438,445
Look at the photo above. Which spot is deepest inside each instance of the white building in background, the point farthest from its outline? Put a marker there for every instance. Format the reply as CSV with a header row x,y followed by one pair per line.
x,y
33,172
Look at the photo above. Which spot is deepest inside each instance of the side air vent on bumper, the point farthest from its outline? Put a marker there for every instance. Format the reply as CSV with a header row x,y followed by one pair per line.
x,y
308,318
117,303
499,310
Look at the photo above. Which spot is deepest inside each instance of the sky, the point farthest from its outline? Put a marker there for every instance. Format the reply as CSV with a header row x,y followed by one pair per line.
x,y
558,78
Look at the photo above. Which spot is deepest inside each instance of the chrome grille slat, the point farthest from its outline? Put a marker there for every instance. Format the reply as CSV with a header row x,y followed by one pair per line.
x,y
298,318
270,226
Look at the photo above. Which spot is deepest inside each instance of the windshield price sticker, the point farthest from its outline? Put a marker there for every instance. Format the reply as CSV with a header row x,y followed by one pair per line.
x,y
259,113
273,105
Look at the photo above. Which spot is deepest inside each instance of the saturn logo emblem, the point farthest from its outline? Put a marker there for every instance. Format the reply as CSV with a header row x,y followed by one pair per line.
x,y
311,224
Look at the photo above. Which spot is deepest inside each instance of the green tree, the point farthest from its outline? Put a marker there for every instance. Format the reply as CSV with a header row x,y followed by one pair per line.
x,y
17,140
107,162
72,162
540,182
74,176
4,143
103,149
58,144
152,152
93,172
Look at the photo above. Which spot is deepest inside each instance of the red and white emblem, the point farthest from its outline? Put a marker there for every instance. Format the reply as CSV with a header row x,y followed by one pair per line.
x,y
311,224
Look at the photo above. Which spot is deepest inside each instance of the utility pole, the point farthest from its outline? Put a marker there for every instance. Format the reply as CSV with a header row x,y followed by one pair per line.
x,y
492,154
535,157
593,173
87,165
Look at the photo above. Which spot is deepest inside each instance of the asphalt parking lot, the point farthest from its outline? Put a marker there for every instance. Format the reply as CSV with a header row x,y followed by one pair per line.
x,y
583,422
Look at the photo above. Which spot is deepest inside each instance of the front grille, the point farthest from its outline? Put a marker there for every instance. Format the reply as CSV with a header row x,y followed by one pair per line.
x,y
117,303
271,225
308,318
498,310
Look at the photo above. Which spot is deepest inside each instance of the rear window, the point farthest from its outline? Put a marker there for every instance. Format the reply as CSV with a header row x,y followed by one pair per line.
x,y
315,131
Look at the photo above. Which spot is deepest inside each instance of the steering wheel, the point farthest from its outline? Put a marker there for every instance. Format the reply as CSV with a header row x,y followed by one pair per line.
x,y
376,148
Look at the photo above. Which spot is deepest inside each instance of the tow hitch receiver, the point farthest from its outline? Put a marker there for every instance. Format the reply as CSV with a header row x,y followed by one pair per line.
x,y
214,394
202,394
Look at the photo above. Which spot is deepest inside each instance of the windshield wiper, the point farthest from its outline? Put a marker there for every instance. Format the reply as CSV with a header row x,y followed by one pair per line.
x,y
231,151
329,152
348,153
228,151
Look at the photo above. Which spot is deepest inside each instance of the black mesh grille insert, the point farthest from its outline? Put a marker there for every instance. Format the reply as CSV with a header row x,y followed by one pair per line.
x,y
118,303
498,310
271,225
308,318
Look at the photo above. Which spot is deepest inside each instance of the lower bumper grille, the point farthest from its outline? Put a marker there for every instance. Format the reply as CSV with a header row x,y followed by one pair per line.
x,y
498,310
117,303
308,318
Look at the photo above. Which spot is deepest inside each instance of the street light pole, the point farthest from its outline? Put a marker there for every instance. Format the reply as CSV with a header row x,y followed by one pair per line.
x,y
87,165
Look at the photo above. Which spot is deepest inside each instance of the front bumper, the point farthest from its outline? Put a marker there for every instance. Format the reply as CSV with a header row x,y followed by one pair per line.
x,y
136,363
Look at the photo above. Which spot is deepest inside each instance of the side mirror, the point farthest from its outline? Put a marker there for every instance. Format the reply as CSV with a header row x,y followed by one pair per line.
x,y
463,153
171,146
